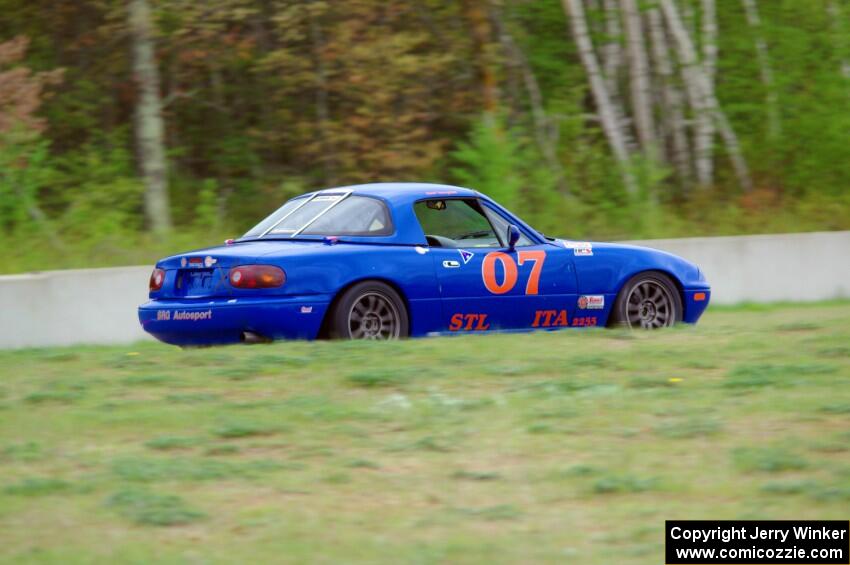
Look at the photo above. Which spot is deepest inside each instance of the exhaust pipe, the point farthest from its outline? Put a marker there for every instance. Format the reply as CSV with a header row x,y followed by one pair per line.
x,y
251,337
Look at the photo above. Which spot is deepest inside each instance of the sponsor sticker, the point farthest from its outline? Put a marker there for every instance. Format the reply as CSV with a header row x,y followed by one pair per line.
x,y
210,261
192,316
306,309
583,250
469,323
550,319
580,248
180,315
466,255
591,302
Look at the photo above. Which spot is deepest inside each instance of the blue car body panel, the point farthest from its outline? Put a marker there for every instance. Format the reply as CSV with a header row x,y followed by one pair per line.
x,y
550,284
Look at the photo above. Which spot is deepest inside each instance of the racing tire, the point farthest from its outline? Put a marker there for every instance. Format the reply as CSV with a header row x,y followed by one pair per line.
x,y
647,301
370,310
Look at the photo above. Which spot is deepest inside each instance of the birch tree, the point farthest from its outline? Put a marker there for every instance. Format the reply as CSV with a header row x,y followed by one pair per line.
x,y
612,53
639,78
612,65
149,123
701,96
671,98
607,114
774,123
704,137
709,38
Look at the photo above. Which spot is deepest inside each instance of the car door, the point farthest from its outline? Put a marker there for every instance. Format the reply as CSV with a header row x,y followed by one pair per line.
x,y
485,286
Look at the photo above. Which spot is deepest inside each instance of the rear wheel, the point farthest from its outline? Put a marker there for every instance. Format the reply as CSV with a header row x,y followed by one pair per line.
x,y
648,301
370,310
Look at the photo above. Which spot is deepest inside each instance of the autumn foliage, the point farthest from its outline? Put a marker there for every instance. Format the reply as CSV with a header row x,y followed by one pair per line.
x,y
261,100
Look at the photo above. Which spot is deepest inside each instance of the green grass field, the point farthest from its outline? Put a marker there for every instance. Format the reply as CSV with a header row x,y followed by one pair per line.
x,y
549,447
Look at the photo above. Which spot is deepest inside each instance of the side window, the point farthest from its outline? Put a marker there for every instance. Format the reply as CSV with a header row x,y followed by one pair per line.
x,y
501,226
455,223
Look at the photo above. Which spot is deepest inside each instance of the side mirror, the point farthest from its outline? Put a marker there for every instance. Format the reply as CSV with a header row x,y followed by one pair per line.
x,y
512,236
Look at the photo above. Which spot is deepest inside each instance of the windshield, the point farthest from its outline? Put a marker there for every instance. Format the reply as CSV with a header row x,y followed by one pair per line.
x,y
326,214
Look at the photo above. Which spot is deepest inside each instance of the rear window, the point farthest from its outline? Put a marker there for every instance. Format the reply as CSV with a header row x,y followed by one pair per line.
x,y
270,221
356,215
327,214
298,219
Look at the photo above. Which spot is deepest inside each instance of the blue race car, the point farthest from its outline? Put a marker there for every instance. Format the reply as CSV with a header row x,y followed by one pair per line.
x,y
385,261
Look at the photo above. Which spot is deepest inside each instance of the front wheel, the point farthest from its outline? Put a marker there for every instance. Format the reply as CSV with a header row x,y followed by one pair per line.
x,y
370,310
648,301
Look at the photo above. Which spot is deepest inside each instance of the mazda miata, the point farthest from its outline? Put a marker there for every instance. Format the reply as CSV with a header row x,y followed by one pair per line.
x,y
395,260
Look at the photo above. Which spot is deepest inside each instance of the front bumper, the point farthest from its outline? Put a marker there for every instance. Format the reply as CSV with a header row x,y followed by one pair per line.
x,y
222,320
696,301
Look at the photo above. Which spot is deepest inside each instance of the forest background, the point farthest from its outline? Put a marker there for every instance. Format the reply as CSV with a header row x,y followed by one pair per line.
x,y
132,129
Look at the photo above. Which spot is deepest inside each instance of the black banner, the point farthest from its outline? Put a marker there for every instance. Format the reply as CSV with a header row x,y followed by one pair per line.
x,y
768,542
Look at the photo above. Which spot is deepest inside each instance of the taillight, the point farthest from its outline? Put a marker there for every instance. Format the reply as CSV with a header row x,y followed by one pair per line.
x,y
157,278
257,276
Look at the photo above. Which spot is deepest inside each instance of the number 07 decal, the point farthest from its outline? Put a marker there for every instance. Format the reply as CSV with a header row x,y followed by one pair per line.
x,y
488,271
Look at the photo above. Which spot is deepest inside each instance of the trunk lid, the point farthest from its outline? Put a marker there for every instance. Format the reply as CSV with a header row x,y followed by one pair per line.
x,y
204,273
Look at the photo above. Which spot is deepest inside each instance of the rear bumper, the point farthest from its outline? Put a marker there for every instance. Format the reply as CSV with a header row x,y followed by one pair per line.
x,y
220,321
696,301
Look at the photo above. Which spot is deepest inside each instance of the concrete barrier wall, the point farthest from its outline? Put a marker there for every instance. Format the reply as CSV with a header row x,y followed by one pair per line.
x,y
95,306
803,267
98,306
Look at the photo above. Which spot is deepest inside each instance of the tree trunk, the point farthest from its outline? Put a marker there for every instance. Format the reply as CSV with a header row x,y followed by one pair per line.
x,y
612,63
639,78
704,120
149,123
701,96
612,53
689,16
607,114
671,99
774,123
709,38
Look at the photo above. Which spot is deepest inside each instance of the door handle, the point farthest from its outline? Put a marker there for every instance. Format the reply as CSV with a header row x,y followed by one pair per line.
x,y
451,264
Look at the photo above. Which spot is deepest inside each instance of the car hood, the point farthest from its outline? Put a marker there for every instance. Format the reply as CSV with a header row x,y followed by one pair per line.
x,y
622,260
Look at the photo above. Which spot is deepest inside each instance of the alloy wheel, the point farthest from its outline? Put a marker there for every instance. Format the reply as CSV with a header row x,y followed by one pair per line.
x,y
373,316
650,306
